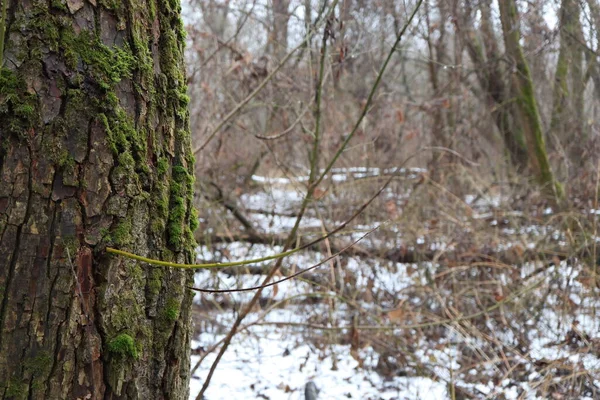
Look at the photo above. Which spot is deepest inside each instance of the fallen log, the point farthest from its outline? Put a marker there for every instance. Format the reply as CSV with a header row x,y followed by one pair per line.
x,y
514,256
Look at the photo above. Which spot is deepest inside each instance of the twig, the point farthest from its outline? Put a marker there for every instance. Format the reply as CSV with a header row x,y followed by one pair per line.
x,y
237,108
285,132
254,260
313,183
371,95
287,278
431,324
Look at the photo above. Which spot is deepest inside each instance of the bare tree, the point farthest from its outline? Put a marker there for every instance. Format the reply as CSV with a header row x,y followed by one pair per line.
x,y
568,121
527,109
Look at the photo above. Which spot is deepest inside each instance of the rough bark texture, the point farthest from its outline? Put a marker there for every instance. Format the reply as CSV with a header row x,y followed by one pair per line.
x,y
94,151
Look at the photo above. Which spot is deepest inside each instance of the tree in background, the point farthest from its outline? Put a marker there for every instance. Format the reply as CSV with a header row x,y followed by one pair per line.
x,y
483,48
568,121
452,87
467,101
521,83
95,151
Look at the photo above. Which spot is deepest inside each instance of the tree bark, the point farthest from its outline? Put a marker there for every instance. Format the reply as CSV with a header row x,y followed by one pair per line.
x,y
527,108
94,152
278,37
593,71
568,120
483,51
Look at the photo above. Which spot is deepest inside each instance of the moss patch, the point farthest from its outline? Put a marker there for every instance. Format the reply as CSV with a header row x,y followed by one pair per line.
x,y
39,365
123,346
181,194
155,281
171,312
122,233
194,222
106,65
19,110
162,166
16,389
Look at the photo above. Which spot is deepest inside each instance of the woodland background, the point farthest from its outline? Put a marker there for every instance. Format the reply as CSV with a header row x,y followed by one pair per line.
x,y
481,279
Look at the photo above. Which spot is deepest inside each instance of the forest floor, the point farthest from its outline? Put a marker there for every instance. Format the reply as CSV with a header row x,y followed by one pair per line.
x,y
520,322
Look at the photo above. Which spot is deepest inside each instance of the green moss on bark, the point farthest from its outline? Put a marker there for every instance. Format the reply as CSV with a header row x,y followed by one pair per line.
x,y
123,346
171,312
182,185
107,65
121,235
155,281
19,110
39,365
162,166
16,389
194,222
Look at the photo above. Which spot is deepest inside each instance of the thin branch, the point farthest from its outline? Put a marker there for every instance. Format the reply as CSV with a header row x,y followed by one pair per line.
x,y
431,324
312,185
255,260
288,130
237,108
287,278
371,95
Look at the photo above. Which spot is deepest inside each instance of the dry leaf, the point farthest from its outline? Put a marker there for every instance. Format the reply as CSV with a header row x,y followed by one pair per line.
x,y
588,281
556,260
399,116
319,193
499,294
396,315
391,208
411,135
518,250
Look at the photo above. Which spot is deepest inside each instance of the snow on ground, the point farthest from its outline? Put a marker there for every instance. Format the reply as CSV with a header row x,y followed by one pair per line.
x,y
264,363
343,175
274,361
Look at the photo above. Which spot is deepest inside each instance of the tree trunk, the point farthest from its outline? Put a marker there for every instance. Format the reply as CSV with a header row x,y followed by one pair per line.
x,y
527,108
593,71
567,122
94,152
278,38
483,51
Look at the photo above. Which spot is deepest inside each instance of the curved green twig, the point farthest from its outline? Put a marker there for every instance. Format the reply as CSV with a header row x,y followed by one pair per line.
x,y
287,278
254,260
208,265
